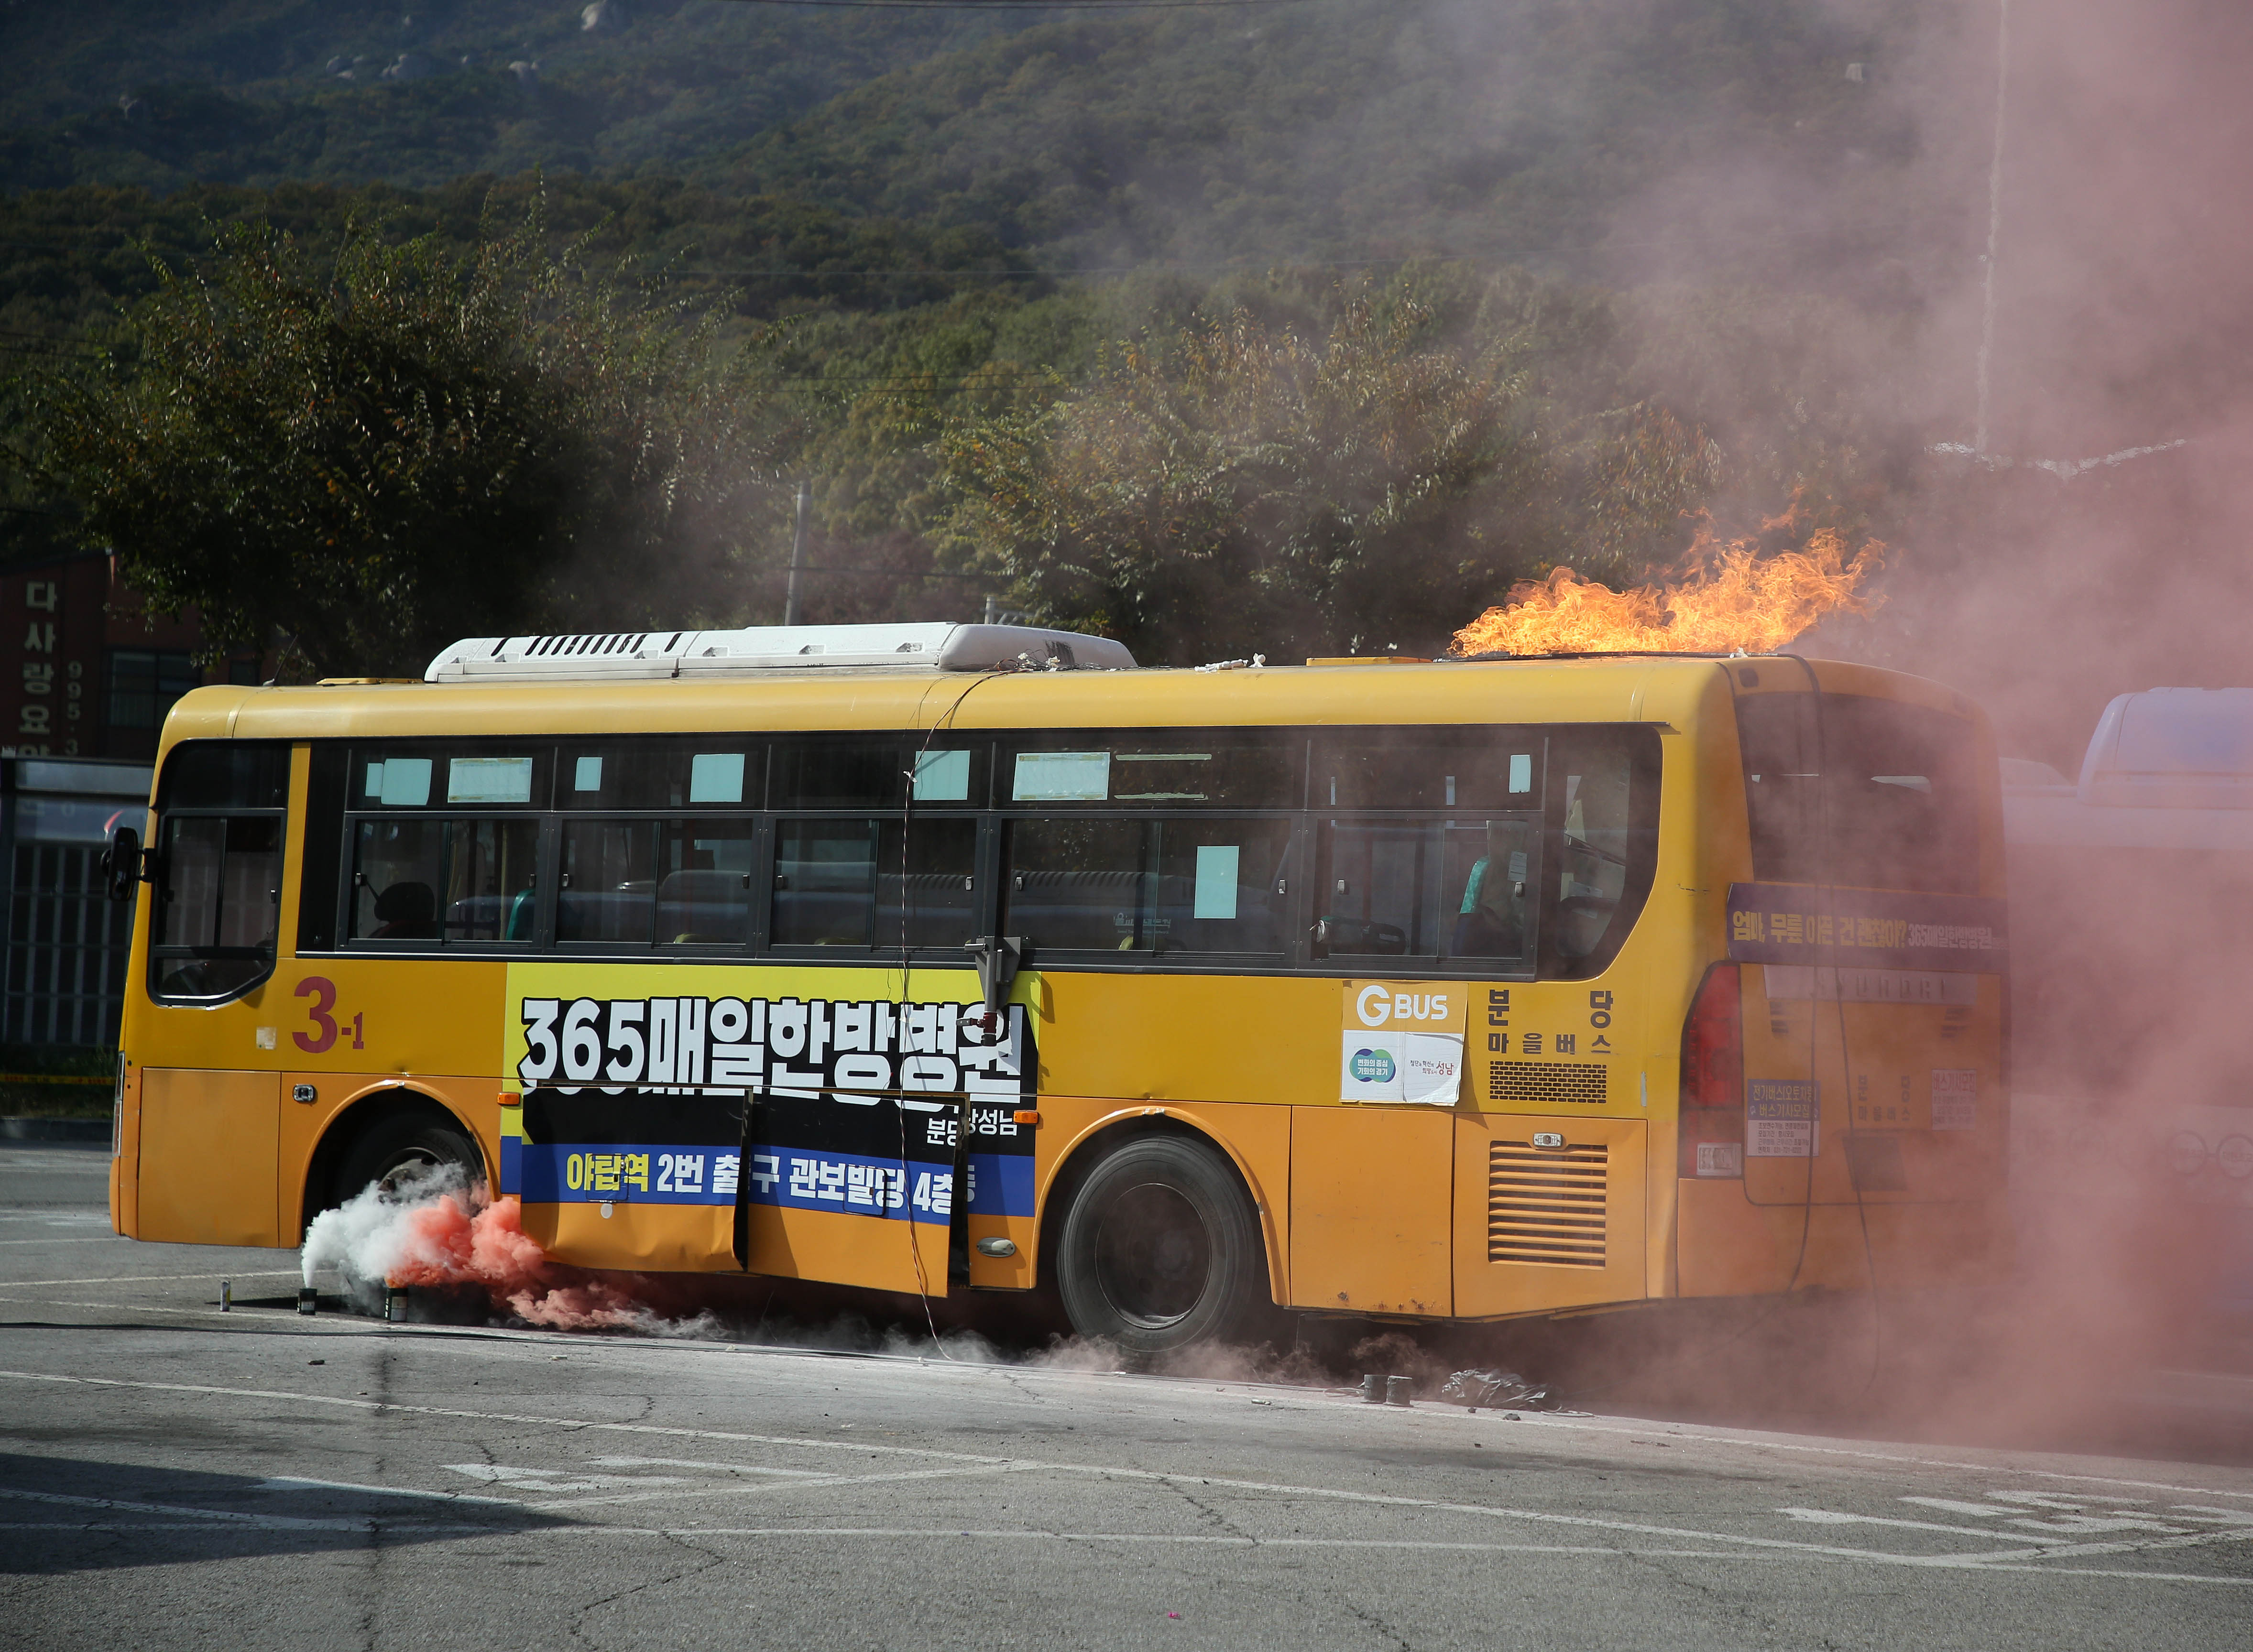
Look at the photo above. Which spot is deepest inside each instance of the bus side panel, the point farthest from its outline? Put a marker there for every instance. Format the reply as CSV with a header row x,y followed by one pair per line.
x,y
124,1177
1188,1037
1546,1228
652,1239
209,1166
1369,1224
1730,1246
834,1249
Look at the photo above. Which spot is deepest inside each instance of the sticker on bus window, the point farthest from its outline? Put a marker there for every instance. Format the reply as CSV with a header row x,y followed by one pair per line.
x,y
488,780
1061,777
1403,1042
1784,1118
1215,894
942,776
1955,1097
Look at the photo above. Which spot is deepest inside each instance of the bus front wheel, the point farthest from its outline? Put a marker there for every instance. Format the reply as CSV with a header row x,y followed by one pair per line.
x,y
1161,1250
404,1146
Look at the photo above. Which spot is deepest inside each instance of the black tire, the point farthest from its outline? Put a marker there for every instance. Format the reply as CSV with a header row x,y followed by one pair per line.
x,y
1160,1250
399,1144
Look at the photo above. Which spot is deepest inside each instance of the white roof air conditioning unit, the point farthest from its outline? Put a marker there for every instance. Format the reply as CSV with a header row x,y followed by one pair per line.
x,y
765,648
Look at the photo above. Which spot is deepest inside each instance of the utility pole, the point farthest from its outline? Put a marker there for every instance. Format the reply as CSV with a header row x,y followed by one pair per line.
x,y
1979,423
797,561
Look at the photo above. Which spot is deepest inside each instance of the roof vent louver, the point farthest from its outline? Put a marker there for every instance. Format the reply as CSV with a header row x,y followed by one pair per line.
x,y
769,648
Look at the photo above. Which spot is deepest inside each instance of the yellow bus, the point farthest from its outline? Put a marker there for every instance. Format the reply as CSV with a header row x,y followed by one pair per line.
x,y
948,958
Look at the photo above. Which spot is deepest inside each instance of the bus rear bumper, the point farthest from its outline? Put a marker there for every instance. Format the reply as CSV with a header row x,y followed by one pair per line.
x,y
1728,1246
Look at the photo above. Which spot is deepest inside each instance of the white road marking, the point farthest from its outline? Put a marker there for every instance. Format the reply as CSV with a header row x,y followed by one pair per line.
x,y
1836,1518
792,1485
59,1238
2197,1539
162,1278
221,1516
1018,1537
86,1220
693,1462
555,1480
143,1307
1950,1506
1763,1443
294,1483
1106,1472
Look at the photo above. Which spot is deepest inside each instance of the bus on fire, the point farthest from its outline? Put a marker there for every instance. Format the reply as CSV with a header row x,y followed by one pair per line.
x,y
972,959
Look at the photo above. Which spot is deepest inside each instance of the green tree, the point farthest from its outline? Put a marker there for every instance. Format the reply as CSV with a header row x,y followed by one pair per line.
x,y
374,453
1249,488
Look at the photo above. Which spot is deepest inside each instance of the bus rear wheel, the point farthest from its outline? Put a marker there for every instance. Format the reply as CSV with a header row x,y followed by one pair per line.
x,y
1160,1250
405,1148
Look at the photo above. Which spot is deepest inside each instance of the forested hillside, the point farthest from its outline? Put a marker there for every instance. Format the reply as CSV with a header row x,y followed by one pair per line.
x,y
1657,244
165,94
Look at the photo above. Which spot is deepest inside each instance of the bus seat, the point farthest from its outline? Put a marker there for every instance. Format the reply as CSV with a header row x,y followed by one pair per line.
x,y
407,912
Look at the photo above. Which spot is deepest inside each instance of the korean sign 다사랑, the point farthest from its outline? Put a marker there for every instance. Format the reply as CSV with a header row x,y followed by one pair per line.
x,y
1403,1042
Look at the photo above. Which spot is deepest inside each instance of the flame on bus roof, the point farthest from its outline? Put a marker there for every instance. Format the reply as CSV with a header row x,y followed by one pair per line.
x,y
1725,597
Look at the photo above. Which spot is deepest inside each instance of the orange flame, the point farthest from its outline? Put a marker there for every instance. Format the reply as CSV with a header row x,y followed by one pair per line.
x,y
1727,597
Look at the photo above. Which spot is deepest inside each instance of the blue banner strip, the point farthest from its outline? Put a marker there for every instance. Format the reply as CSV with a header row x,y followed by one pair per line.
x,y
786,1178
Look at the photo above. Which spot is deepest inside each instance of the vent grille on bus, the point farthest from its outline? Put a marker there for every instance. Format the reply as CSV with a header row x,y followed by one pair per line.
x,y
588,647
1546,1205
1568,1082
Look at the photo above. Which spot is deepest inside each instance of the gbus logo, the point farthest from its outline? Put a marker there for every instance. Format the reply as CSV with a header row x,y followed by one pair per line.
x,y
1380,1005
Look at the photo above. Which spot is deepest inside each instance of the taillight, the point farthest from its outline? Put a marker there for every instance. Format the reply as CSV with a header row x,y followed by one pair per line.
x,y
1712,1135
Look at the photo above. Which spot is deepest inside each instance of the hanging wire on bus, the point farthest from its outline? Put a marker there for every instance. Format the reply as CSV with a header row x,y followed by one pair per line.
x,y
962,1125
1846,1047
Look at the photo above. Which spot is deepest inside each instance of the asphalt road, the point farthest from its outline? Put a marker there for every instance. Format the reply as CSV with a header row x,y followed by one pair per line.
x,y
174,1476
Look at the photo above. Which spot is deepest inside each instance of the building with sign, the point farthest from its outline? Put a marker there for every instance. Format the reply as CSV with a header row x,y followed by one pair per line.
x,y
88,673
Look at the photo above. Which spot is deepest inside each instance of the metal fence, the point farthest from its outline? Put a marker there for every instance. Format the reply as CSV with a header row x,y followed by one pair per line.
x,y
63,983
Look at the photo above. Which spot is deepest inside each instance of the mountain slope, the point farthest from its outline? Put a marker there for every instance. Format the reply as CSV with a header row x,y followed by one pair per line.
x,y
259,91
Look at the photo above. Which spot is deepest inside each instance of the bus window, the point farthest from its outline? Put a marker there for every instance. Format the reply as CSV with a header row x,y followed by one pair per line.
x,y
1380,891
609,882
1469,768
842,773
940,894
840,884
1879,794
1605,810
439,881
1151,886
704,882
219,903
1428,889
659,774
1492,864
225,775
1167,769
219,868
398,777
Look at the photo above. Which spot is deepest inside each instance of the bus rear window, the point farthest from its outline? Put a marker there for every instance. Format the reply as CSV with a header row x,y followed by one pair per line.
x,y
1879,794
